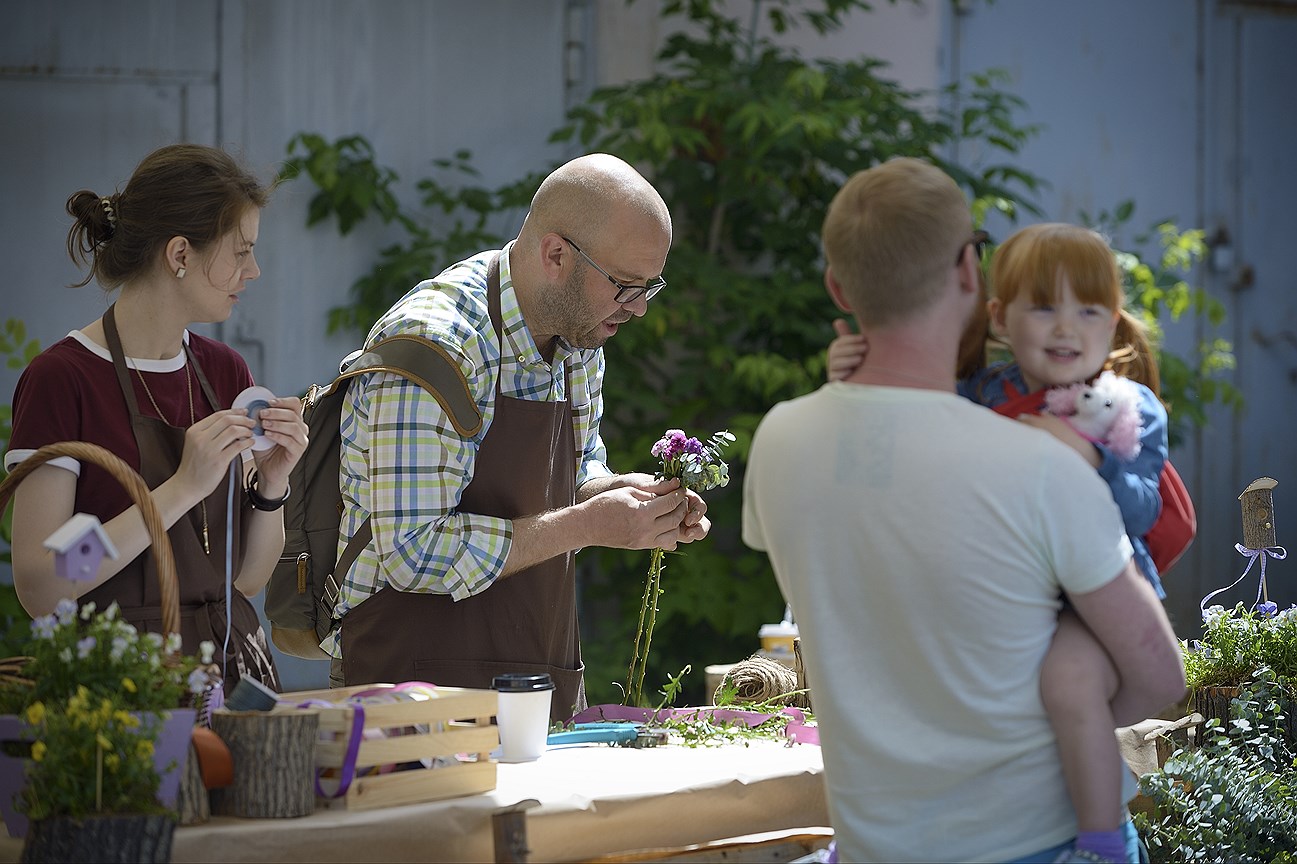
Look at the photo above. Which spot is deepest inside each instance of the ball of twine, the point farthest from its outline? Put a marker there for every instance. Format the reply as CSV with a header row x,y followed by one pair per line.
x,y
760,679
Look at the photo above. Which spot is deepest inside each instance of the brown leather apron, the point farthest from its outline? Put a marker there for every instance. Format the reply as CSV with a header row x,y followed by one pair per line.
x,y
201,576
524,623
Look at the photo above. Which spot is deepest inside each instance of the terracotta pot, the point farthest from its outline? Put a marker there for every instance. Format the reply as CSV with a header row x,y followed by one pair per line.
x,y
119,839
172,746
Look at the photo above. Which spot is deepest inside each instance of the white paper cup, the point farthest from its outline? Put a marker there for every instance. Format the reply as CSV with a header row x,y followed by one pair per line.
x,y
522,715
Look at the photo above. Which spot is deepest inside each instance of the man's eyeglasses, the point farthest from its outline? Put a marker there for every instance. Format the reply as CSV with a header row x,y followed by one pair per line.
x,y
625,293
980,241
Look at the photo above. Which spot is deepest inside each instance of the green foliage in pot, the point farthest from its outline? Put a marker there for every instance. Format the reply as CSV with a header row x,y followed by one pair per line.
x,y
93,690
1234,798
747,141
1235,642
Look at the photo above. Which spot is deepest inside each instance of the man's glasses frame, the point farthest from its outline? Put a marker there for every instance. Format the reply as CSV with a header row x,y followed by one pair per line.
x,y
625,293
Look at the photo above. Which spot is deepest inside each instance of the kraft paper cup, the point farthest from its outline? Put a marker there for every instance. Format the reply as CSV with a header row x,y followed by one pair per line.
x,y
778,638
522,715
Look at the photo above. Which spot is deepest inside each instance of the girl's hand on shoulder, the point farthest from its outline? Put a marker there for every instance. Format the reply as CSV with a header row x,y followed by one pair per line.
x,y
846,352
1063,431
283,425
210,445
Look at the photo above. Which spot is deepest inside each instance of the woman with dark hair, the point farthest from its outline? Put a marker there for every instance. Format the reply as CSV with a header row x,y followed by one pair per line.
x,y
178,242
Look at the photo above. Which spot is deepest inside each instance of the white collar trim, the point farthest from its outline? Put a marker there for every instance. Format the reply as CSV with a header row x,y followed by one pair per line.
x,y
170,364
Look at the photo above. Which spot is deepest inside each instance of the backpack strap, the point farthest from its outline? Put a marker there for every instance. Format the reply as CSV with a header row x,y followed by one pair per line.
x,y
431,367
427,364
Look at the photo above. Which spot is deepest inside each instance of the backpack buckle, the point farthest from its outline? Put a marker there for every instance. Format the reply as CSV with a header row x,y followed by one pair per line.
x,y
331,590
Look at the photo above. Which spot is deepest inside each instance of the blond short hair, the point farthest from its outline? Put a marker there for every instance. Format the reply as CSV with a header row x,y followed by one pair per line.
x,y
891,235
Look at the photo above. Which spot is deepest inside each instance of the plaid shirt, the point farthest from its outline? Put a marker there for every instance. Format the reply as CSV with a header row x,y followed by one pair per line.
x,y
404,463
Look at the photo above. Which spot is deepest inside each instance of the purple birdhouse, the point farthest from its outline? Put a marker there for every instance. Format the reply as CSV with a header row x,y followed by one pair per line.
x,y
79,546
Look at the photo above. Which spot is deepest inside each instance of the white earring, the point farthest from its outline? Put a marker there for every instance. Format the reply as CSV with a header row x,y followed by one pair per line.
x,y
180,272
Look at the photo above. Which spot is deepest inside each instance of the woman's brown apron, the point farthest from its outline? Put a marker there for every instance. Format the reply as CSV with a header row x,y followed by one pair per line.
x,y
201,576
524,623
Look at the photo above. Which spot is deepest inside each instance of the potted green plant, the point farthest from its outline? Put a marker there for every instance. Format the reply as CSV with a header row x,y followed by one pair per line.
x,y
1233,797
98,731
94,712
1235,644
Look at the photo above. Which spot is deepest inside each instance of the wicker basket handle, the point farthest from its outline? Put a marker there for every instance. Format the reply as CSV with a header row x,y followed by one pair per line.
x,y
126,475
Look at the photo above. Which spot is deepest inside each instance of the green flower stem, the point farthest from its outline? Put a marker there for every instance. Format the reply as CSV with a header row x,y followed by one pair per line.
x,y
656,567
644,630
639,632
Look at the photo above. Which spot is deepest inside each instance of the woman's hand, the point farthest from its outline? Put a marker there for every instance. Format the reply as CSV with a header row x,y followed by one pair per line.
x,y
210,445
282,423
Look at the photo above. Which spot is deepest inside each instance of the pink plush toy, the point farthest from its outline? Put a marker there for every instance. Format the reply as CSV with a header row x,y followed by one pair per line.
x,y
1106,412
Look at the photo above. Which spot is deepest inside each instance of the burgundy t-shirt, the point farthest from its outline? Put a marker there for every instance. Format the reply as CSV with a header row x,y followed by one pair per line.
x,y
69,392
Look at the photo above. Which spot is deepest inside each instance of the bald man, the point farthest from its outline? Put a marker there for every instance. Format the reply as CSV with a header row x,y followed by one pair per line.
x,y
470,572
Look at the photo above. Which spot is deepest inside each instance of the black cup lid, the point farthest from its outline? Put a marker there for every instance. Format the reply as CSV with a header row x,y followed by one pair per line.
x,y
519,682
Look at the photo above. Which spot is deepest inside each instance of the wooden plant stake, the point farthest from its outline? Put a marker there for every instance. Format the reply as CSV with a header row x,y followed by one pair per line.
x,y
1259,541
1257,502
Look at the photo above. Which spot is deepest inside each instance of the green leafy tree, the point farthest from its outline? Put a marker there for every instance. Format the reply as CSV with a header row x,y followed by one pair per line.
x,y
748,142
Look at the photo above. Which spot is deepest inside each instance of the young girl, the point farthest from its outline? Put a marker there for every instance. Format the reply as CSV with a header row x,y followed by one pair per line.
x,y
1057,302
178,242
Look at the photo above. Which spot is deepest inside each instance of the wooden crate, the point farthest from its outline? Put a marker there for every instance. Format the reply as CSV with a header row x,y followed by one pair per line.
x,y
457,722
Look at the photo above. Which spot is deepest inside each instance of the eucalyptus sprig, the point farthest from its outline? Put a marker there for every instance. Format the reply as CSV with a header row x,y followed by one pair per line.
x,y
1234,798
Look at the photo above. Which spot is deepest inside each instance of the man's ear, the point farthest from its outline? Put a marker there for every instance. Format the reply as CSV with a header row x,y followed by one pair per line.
x,y
556,256
835,291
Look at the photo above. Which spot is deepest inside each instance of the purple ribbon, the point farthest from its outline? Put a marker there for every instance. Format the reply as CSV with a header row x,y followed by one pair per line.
x,y
347,772
797,731
1276,552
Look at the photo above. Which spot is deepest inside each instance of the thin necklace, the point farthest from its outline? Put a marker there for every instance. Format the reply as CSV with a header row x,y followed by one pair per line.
x,y
189,388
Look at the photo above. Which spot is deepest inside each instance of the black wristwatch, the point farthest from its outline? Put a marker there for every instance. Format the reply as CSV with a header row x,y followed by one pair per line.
x,y
259,503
